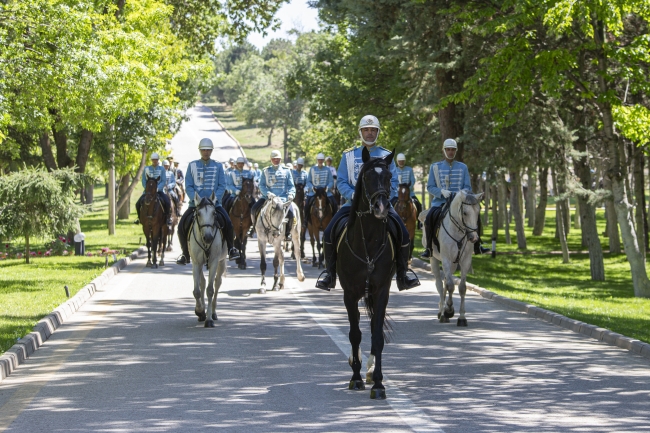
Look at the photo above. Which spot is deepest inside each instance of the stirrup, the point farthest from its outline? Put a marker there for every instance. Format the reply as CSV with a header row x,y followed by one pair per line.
x,y
323,286
233,254
426,254
182,260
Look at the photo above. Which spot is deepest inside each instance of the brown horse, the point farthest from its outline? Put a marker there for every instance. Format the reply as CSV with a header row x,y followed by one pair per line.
x,y
321,215
299,200
174,215
152,218
406,209
240,215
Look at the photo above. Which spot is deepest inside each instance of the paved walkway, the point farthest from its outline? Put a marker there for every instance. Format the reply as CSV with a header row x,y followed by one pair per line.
x,y
135,359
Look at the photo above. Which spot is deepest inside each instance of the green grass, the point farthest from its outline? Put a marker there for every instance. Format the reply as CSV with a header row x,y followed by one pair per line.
x,y
251,138
30,292
543,280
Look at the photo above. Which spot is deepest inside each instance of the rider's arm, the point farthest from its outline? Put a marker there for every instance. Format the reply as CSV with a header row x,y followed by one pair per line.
x,y
189,183
330,181
230,185
342,182
432,187
394,181
144,178
467,182
221,183
412,179
263,188
162,183
310,184
290,188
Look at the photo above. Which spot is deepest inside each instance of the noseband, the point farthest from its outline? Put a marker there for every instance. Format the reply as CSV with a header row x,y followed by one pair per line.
x,y
271,228
214,227
462,227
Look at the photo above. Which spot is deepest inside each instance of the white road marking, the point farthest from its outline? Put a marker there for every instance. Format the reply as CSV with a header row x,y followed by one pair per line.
x,y
398,400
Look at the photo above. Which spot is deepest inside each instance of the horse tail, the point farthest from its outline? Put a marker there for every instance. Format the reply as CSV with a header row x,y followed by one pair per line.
x,y
387,330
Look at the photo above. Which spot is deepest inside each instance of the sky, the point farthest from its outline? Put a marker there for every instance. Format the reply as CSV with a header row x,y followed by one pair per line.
x,y
294,15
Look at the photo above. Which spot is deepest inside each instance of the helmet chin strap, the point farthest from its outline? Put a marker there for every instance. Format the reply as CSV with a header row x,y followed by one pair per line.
x,y
369,143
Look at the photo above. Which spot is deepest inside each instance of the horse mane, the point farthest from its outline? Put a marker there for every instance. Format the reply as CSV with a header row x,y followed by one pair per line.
x,y
358,188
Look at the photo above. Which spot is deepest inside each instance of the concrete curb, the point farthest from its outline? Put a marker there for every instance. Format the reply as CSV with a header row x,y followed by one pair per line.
x,y
601,334
27,345
241,149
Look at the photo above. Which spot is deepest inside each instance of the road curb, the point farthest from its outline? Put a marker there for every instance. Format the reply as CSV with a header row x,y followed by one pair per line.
x,y
241,149
44,328
601,334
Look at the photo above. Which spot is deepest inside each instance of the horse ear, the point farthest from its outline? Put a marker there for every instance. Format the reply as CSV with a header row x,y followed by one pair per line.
x,y
365,155
287,204
158,179
389,158
479,197
212,197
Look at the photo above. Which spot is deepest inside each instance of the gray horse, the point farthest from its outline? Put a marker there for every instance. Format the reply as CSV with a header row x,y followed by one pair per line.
x,y
270,228
457,235
206,245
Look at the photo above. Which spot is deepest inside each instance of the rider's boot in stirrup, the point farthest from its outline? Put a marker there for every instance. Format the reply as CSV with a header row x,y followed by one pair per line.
x,y
426,254
287,231
184,259
233,254
403,281
480,249
327,279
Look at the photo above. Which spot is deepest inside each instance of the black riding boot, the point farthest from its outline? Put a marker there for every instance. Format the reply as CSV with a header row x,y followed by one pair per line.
x,y
287,230
403,281
328,280
184,226
233,253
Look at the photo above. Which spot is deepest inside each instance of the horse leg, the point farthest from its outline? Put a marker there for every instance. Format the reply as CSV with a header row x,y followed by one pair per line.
x,y
163,240
212,297
242,252
313,251
462,289
303,235
380,301
262,249
352,307
154,252
199,282
298,250
448,313
221,268
321,256
276,264
435,268
149,264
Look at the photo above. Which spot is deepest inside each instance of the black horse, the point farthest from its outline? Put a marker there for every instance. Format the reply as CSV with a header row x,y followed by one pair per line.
x,y
366,263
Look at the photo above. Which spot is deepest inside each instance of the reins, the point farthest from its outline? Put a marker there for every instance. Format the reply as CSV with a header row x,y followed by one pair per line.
x,y
215,226
465,229
266,215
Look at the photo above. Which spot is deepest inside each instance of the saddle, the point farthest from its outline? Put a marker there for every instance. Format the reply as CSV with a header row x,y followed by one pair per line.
x,y
434,220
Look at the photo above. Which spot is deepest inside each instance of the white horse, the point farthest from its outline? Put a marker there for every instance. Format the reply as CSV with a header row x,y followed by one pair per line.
x,y
206,245
270,228
458,233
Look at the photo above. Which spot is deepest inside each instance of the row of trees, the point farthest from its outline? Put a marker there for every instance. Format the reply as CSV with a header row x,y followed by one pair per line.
x,y
531,90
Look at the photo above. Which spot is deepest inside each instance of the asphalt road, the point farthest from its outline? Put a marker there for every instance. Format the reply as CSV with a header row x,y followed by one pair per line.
x,y
135,359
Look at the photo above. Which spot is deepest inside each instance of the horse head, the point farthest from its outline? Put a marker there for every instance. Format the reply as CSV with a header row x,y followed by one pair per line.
x,y
465,210
403,192
276,213
151,189
247,189
375,179
206,217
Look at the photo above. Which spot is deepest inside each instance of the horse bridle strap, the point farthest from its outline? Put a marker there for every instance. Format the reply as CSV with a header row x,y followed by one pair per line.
x,y
268,230
465,229
215,226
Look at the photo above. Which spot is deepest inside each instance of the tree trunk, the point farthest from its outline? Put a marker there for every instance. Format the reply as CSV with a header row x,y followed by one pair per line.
x,y
27,248
560,221
89,192
503,193
540,210
84,150
61,141
285,144
46,149
576,216
134,182
448,117
488,190
124,211
268,143
613,235
531,197
515,207
495,218
501,188
639,196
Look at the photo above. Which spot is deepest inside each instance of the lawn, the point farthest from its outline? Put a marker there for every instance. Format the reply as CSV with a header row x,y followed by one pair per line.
x,y
251,138
543,280
30,292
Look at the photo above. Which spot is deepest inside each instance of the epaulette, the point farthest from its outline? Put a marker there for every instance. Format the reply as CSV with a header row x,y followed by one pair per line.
x,y
349,149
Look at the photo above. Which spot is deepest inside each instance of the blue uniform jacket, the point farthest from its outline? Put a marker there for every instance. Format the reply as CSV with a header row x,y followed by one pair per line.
x,y
299,178
454,177
204,178
278,181
171,179
405,175
155,172
350,166
319,178
233,179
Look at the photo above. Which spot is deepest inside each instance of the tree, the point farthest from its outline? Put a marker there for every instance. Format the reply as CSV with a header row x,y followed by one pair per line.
x,y
38,203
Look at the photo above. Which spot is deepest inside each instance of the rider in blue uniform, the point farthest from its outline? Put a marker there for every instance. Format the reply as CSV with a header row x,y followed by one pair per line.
x,y
348,172
155,171
171,185
204,177
405,176
319,176
447,177
234,181
276,181
299,175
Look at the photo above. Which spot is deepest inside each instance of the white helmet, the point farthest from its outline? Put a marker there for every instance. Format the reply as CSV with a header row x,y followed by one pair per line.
x,y
165,163
320,156
256,165
401,157
231,160
205,143
276,154
369,121
155,155
450,143
241,159
329,158
300,161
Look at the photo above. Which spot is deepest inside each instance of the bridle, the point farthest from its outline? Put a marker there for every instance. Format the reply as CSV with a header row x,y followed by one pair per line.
x,y
266,215
214,227
320,209
462,227
248,197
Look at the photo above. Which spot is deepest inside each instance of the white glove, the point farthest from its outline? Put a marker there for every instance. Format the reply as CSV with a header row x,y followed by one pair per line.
x,y
445,193
237,192
270,196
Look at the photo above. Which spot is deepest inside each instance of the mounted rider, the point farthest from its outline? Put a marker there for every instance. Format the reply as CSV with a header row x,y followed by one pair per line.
x,y
348,172
234,182
405,176
171,185
204,177
154,171
446,177
276,181
319,176
298,174
180,178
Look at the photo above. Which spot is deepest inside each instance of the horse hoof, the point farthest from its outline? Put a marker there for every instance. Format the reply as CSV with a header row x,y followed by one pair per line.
x,y
378,394
450,314
439,316
276,288
444,319
162,263
154,266
149,265
461,322
202,317
214,316
209,324
315,265
356,385
369,379
262,291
